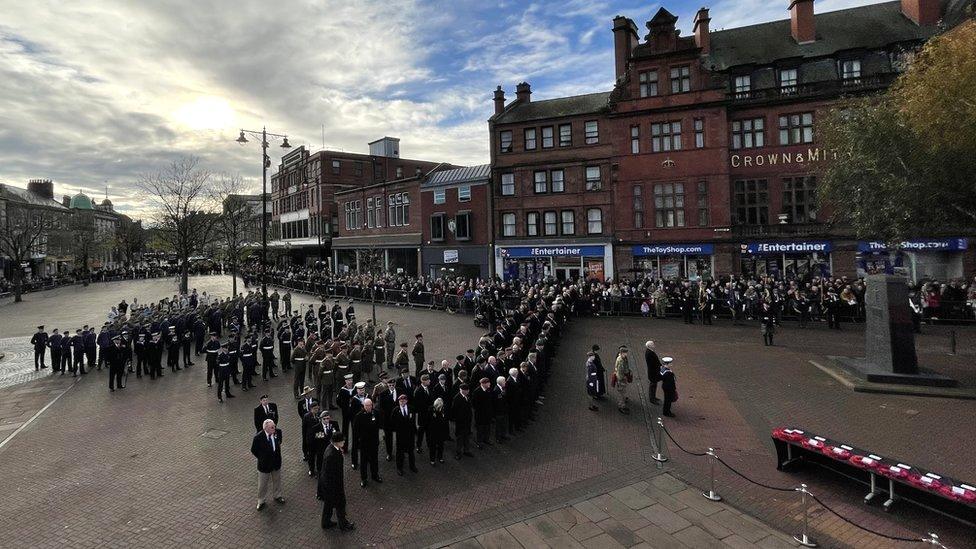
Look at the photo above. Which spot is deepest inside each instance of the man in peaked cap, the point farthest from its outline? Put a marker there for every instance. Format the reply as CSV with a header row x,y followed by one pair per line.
x,y
39,341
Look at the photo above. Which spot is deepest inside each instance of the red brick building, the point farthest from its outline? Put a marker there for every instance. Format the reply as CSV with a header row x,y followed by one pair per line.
x,y
710,148
305,216
457,236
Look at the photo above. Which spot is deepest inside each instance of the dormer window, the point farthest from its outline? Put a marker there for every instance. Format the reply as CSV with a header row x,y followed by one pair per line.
x,y
850,71
787,81
742,85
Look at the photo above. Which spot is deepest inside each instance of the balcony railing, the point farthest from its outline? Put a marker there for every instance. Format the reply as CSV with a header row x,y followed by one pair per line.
x,y
812,89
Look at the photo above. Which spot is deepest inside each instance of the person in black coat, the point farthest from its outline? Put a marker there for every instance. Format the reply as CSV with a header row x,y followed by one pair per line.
x,y
39,341
767,324
653,371
266,410
266,447
668,386
331,486
499,403
596,379
461,415
319,435
482,404
309,420
404,424
437,431
421,402
366,430
116,364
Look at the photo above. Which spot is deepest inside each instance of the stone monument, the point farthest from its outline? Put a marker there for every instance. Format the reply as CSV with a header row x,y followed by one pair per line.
x,y
889,342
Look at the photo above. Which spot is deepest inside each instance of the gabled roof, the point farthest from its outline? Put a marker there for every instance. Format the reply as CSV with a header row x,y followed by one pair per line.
x,y
23,196
868,27
480,173
554,108
663,17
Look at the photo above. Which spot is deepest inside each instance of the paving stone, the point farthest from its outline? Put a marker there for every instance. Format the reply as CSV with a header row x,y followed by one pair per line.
x,y
668,484
564,541
584,530
565,518
694,536
668,520
632,497
706,523
470,543
591,511
603,541
664,498
544,527
498,539
734,521
776,542
526,535
624,535
693,498
656,537
738,542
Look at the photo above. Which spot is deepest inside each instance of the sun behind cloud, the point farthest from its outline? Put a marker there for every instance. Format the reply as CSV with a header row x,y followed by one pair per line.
x,y
205,112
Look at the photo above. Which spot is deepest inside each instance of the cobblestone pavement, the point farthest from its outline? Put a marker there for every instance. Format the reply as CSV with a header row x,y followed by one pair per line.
x,y
162,464
662,512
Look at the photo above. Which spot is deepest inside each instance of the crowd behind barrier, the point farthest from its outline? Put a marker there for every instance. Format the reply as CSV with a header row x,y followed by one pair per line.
x,y
739,298
71,278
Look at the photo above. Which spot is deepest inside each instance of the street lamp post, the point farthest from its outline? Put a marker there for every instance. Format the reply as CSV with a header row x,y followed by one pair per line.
x,y
265,164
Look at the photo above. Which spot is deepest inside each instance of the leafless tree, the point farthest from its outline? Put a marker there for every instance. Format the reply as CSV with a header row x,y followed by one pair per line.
x,y
178,196
235,230
23,232
130,240
84,240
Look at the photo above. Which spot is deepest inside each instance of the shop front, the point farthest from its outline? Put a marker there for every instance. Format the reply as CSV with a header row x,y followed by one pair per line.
x,y
920,259
692,261
462,261
803,259
561,262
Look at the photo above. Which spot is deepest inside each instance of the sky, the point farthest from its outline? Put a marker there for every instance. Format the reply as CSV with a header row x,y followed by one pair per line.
x,y
100,92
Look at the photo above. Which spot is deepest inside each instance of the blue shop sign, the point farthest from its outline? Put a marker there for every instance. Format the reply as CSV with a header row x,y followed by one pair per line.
x,y
553,251
928,245
796,247
673,249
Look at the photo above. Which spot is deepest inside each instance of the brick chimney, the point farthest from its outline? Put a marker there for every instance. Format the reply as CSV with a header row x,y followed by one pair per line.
x,y
522,92
701,30
624,40
499,100
43,188
922,12
66,201
802,25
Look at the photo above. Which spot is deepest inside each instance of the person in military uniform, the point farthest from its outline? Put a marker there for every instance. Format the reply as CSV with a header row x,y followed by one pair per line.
x,y
338,321
234,351
389,338
267,355
343,401
418,353
326,379
78,353
286,301
273,299
212,348
331,487
767,324
186,341
66,363
54,343
104,342
90,346
223,374
173,349
156,356
356,361
249,362
284,344
379,350
320,433
366,433
39,341
115,359
298,357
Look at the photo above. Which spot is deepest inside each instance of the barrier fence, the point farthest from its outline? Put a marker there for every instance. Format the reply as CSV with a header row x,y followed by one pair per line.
x,y
803,538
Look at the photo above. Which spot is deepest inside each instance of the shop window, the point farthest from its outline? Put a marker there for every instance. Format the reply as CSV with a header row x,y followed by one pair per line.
x,y
749,133
703,220
505,141
462,226
800,198
638,208
437,227
440,196
547,137
787,81
594,221
680,79
532,224
464,193
541,179
648,83
751,202
634,139
557,180
666,136
592,132
568,222
508,184
669,205
565,135
796,128
699,133
508,224
549,223
593,182
530,141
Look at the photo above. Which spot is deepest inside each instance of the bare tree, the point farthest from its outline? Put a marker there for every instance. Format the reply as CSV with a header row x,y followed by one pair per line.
x,y
235,231
85,241
130,240
23,232
179,195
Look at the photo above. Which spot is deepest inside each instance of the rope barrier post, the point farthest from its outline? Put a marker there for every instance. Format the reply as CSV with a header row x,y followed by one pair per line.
x,y
803,538
710,494
659,456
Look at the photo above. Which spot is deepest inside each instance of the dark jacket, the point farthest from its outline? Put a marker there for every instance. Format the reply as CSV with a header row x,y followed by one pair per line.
x,y
404,426
260,416
653,365
668,385
366,429
461,414
268,460
482,404
331,488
